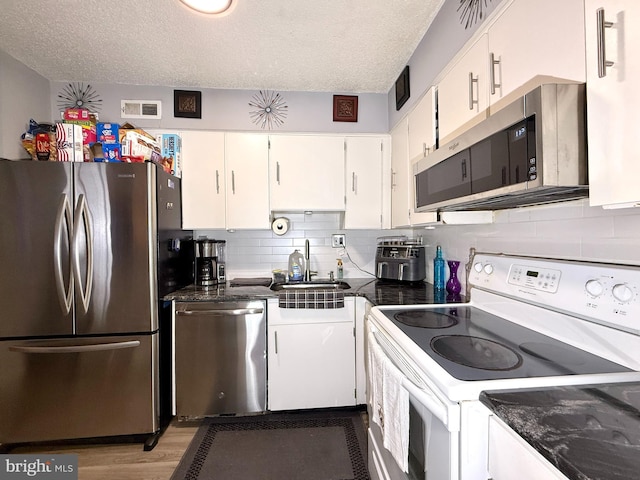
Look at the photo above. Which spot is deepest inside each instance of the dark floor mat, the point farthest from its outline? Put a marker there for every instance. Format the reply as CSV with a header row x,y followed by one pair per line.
x,y
314,445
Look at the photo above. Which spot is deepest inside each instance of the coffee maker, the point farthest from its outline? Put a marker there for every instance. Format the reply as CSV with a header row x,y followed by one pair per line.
x,y
210,262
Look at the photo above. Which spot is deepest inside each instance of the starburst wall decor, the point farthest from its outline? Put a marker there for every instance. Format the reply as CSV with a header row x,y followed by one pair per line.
x,y
270,109
471,11
76,95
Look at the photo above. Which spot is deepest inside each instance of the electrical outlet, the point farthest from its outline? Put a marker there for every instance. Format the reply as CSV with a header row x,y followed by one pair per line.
x,y
338,240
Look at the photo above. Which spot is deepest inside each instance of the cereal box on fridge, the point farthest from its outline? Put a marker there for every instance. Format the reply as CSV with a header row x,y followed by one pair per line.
x,y
171,151
69,142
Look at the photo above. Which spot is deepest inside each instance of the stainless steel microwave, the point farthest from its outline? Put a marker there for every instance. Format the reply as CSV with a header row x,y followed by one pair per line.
x,y
532,151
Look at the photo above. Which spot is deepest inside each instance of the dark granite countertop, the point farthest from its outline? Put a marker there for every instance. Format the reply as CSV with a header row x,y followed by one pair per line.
x,y
376,291
588,432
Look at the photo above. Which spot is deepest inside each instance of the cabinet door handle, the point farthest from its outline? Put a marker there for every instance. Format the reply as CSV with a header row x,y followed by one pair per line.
x,y
275,343
393,179
472,80
217,182
354,181
233,182
492,74
278,172
601,23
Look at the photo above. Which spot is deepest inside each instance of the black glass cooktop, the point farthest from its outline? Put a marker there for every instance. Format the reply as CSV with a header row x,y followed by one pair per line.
x,y
471,344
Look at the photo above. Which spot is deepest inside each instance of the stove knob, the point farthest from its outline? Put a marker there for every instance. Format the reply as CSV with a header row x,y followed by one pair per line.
x,y
622,292
488,269
478,267
594,288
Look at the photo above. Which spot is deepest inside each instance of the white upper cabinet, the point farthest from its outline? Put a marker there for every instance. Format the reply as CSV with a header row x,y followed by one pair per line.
x,y
463,93
364,160
613,100
422,127
306,172
530,39
247,181
203,185
400,175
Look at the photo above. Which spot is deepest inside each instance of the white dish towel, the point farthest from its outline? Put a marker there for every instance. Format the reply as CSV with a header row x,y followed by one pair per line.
x,y
376,361
395,404
389,404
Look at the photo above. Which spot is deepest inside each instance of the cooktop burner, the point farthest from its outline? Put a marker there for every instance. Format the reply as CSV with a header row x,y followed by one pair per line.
x,y
426,319
476,352
472,344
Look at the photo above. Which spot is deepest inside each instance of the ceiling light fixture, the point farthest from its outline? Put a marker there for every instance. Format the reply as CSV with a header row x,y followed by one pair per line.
x,y
211,7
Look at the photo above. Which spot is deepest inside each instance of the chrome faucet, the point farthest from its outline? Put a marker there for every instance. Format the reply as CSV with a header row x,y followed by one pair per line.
x,y
307,268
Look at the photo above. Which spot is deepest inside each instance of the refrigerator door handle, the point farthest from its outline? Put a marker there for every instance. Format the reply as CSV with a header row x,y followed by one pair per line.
x,y
82,215
63,216
97,347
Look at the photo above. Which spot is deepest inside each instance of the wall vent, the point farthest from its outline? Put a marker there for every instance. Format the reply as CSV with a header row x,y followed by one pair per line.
x,y
140,109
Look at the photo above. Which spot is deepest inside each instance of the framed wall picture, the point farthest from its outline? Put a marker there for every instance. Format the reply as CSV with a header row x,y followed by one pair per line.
x,y
187,103
345,108
402,88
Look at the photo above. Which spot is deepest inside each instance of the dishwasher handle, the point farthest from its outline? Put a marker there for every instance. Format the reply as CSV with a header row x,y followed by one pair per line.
x,y
222,312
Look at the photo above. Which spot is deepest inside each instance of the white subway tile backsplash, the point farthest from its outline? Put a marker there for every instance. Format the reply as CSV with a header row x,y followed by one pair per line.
x,y
571,230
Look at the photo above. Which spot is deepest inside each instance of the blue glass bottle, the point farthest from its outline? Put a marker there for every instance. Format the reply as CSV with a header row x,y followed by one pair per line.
x,y
438,270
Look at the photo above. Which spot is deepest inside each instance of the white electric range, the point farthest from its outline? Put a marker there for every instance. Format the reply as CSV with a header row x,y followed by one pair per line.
x,y
531,322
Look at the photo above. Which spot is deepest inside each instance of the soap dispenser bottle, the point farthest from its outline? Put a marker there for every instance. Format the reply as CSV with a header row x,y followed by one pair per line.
x,y
340,269
438,270
296,266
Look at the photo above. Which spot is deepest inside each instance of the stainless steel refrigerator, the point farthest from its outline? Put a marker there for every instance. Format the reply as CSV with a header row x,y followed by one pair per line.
x,y
86,252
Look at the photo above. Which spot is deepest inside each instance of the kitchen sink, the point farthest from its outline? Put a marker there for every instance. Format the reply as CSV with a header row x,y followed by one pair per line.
x,y
314,284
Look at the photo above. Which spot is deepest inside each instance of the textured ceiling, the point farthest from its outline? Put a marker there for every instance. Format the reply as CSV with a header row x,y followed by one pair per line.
x,y
347,46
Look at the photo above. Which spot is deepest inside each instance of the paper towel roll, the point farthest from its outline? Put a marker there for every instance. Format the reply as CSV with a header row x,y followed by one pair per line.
x,y
280,226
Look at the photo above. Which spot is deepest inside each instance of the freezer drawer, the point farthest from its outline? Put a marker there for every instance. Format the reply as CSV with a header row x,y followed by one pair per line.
x,y
78,388
220,358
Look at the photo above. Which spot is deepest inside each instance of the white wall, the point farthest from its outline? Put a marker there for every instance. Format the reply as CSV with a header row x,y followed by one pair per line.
x,y
258,252
24,94
571,230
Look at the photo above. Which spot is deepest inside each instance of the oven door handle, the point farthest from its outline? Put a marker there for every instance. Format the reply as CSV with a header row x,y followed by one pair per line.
x,y
445,412
439,410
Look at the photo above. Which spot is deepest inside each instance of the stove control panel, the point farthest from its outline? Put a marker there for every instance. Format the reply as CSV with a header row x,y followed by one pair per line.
x,y
544,279
608,294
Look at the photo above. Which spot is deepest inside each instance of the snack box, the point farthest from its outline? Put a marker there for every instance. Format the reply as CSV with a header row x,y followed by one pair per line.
x,y
69,142
111,152
76,114
171,151
107,133
137,147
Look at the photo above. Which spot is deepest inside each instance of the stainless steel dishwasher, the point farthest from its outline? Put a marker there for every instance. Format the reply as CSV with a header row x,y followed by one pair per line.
x,y
220,358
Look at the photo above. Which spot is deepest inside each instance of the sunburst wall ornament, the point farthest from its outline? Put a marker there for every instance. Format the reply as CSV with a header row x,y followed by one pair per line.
x,y
76,95
471,11
270,109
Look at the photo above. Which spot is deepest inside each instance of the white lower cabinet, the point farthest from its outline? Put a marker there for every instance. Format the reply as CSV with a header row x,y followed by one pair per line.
x,y
310,357
510,456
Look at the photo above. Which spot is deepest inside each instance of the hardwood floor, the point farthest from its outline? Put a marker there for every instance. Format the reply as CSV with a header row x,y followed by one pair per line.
x,y
126,461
